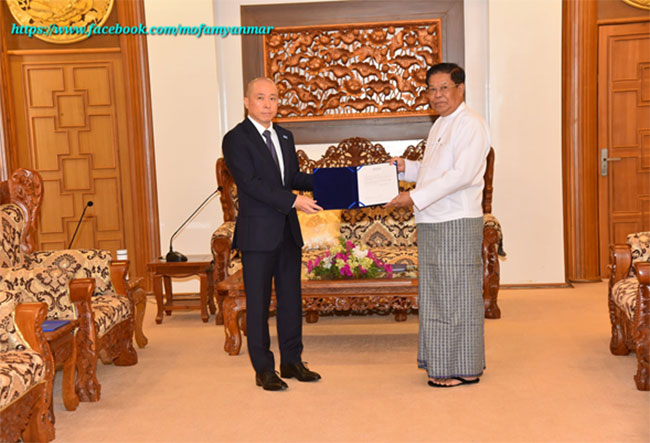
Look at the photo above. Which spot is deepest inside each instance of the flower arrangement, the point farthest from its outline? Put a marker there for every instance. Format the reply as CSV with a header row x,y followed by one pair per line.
x,y
347,260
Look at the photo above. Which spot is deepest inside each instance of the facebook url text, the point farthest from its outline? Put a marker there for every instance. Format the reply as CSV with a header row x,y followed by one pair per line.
x,y
117,29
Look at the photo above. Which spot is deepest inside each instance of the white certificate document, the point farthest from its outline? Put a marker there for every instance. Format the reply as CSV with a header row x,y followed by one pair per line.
x,y
377,184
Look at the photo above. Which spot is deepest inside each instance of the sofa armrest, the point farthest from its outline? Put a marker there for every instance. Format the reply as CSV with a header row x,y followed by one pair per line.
x,y
29,318
221,245
620,263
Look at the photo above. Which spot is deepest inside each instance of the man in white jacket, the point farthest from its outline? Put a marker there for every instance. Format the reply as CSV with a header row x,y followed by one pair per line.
x,y
449,219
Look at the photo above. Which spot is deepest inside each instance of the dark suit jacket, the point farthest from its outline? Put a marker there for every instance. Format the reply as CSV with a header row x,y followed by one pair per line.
x,y
265,204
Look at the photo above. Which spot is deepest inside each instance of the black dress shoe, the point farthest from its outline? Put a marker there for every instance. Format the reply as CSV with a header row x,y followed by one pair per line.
x,y
270,381
299,371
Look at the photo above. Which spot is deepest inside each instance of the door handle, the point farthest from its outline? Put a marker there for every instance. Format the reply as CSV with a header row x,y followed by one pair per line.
x,y
604,161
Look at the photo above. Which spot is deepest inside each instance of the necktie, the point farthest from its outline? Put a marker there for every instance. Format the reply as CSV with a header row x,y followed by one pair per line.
x,y
269,144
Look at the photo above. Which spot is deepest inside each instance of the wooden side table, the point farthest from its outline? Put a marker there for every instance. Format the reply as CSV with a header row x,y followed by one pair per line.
x,y
63,346
163,272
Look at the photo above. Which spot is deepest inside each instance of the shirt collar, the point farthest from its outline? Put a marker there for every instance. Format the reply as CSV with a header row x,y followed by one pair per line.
x,y
259,127
457,111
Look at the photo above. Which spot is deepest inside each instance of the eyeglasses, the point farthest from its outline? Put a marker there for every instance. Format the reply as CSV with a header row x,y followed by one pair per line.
x,y
444,89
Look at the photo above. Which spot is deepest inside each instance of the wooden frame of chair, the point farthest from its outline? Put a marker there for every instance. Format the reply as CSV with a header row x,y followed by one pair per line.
x,y
25,189
28,417
631,334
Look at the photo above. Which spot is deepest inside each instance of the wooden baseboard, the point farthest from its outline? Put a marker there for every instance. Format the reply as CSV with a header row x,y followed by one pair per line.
x,y
536,286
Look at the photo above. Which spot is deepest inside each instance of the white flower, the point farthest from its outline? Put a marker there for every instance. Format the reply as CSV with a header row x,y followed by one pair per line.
x,y
359,253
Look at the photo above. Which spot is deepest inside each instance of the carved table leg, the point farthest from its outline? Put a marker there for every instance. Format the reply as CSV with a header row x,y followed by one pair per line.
x,y
311,316
204,297
220,296
70,398
140,305
211,305
231,309
157,290
169,295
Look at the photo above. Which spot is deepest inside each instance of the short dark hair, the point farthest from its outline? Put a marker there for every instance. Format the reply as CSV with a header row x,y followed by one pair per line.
x,y
456,72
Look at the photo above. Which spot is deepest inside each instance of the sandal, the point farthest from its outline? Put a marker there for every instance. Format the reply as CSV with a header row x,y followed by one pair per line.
x,y
463,381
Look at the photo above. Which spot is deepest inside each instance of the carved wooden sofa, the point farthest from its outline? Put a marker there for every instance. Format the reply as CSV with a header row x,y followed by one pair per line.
x,y
26,371
106,316
390,234
629,303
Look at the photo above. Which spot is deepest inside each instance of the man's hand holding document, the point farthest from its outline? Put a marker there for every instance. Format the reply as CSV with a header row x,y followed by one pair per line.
x,y
355,186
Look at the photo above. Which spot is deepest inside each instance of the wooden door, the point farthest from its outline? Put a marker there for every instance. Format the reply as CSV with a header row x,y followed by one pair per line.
x,y
73,130
624,130
80,114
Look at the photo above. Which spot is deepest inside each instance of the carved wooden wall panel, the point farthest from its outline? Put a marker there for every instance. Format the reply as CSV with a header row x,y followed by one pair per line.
x,y
352,71
324,17
73,139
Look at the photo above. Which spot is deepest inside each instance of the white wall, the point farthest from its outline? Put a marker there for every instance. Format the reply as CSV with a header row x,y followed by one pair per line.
x,y
513,64
525,93
183,72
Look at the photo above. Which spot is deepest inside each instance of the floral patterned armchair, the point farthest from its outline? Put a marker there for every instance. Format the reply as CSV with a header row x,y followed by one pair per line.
x,y
106,316
629,303
26,370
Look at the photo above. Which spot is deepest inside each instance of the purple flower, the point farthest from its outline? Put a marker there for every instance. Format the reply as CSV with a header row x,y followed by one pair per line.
x,y
310,266
362,270
346,271
349,245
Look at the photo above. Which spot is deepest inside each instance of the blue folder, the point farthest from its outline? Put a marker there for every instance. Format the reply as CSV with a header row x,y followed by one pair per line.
x,y
53,325
336,188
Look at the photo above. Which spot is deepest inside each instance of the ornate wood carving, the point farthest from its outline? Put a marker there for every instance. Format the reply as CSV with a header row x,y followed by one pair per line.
x,y
491,272
25,189
631,334
29,318
641,4
352,70
228,190
80,13
335,303
642,328
87,385
139,298
350,152
16,417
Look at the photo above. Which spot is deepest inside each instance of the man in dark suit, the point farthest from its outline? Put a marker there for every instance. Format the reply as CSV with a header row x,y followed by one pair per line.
x,y
262,159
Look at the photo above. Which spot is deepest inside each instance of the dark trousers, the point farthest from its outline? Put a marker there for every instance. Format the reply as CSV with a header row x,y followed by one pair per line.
x,y
261,268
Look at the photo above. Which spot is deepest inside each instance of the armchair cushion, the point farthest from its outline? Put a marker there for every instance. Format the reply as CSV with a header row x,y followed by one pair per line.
x,y
624,293
48,284
13,223
109,311
320,230
640,246
82,263
379,227
489,220
20,367
20,370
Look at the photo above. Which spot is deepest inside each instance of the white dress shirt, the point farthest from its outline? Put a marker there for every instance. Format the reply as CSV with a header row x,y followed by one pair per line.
x,y
449,179
274,139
